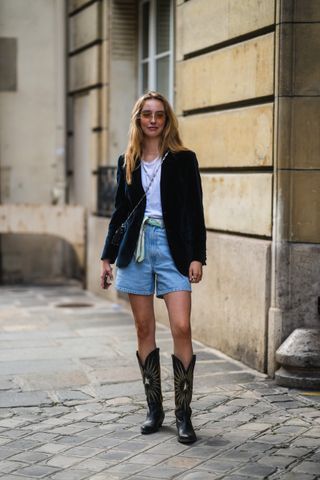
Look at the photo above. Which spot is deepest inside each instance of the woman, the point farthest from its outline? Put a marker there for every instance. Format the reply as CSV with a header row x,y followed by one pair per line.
x,y
163,249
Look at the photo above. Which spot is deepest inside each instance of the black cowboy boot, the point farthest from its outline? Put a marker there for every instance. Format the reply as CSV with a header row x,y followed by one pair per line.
x,y
150,372
183,385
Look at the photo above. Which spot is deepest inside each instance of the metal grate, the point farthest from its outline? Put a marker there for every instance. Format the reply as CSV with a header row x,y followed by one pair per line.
x,y
74,305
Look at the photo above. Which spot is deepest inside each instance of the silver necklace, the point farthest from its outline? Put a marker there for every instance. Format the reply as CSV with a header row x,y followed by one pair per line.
x,y
155,171
155,168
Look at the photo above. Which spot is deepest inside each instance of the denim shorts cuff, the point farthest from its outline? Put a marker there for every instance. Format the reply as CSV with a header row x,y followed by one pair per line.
x,y
134,292
169,290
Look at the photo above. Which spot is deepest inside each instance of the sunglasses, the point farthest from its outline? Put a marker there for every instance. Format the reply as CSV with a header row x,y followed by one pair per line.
x,y
148,115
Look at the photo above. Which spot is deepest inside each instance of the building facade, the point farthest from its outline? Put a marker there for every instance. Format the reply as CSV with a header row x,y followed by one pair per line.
x,y
244,79
33,180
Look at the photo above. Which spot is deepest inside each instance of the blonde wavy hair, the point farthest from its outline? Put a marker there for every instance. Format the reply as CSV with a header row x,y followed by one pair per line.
x,y
170,138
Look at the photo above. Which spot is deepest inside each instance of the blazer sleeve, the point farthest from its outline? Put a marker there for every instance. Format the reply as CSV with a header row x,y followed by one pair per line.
x,y
196,209
119,215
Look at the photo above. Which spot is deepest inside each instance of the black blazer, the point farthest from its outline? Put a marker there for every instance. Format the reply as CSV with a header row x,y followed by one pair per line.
x,y
182,209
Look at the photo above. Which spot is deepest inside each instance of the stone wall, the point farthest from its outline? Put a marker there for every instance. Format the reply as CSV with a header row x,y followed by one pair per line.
x,y
32,129
101,88
88,75
224,94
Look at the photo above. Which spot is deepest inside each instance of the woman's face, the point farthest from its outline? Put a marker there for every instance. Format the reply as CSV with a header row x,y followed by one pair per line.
x,y
152,118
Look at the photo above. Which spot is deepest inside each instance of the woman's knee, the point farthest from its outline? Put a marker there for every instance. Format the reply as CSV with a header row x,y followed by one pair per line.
x,y
143,313
145,328
181,330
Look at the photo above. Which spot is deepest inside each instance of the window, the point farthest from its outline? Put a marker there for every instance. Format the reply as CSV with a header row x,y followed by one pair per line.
x,y
155,52
8,64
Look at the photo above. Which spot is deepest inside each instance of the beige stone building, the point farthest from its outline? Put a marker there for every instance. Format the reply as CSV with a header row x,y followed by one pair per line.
x,y
244,79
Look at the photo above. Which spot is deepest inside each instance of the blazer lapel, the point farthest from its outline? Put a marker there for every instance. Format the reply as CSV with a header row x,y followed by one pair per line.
x,y
165,172
136,186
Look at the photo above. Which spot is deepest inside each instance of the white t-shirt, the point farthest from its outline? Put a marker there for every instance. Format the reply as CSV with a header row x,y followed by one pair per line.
x,y
148,169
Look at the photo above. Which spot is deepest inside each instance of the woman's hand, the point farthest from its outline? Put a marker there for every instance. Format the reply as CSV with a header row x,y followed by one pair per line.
x,y
106,276
195,272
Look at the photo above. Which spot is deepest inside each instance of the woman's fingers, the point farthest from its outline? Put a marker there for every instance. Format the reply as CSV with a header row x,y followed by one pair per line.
x,y
195,272
106,276
195,277
109,273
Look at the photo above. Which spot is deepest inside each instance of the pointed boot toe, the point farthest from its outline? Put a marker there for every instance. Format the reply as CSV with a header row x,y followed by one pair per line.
x,y
154,419
186,433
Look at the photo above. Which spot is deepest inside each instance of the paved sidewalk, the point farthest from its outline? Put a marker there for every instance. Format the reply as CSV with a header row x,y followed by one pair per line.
x,y
71,401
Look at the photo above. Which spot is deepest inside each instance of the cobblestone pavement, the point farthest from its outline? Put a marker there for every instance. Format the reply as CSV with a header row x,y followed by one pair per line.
x,y
71,401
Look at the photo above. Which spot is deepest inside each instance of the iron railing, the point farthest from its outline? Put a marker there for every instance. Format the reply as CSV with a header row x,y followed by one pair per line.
x,y
107,187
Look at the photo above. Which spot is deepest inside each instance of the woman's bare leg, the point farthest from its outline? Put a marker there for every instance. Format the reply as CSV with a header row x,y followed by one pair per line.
x,y
179,310
183,361
143,313
149,361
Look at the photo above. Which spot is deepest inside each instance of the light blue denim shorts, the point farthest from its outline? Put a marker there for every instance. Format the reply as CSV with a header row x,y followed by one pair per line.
x,y
157,272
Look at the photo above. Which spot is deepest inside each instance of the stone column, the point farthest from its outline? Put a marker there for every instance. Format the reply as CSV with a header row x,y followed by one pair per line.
x,y
296,222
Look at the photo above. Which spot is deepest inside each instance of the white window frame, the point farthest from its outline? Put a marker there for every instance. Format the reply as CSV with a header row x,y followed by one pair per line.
x,y
153,55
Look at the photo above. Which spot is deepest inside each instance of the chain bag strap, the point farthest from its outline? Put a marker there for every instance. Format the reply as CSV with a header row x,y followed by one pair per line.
x,y
119,233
